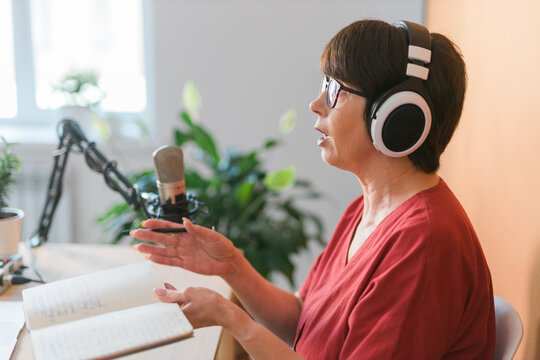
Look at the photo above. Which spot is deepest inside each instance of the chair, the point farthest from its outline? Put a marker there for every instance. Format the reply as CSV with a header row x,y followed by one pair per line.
x,y
509,329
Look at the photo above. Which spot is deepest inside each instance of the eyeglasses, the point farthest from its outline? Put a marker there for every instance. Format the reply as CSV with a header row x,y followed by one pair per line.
x,y
333,88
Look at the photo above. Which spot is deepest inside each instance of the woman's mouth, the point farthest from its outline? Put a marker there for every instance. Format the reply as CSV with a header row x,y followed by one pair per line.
x,y
323,139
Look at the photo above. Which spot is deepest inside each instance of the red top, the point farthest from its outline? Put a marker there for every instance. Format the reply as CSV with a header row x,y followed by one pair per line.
x,y
418,288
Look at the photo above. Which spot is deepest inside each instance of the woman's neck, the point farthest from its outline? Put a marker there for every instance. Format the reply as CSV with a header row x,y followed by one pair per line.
x,y
387,188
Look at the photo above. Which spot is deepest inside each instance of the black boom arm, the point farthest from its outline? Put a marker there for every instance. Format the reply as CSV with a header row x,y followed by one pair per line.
x,y
72,138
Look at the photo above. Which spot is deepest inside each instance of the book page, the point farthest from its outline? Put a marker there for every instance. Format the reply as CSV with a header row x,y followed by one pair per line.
x,y
112,334
90,295
11,323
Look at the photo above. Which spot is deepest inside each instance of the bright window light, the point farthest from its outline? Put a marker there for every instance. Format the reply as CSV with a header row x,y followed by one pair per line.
x,y
8,90
100,36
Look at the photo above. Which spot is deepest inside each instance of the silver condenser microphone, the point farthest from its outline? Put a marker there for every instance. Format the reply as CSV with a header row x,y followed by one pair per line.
x,y
169,166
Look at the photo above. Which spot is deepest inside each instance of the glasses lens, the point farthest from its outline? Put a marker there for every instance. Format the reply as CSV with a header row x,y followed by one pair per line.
x,y
324,83
332,92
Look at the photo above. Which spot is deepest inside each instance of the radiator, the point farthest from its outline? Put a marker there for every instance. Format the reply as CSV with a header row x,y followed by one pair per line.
x,y
29,194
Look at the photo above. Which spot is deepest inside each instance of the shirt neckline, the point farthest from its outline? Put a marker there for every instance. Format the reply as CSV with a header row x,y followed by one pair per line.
x,y
358,218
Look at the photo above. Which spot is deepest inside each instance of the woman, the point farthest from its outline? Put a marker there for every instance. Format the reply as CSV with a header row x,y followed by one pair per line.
x,y
403,276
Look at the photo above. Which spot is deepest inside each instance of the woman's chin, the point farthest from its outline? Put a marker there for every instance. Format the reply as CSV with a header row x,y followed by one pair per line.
x,y
327,158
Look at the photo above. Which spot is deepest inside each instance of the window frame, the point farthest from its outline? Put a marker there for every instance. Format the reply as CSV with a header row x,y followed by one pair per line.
x,y
28,114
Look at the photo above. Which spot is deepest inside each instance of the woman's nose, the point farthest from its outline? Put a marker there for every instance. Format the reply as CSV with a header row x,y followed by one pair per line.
x,y
317,106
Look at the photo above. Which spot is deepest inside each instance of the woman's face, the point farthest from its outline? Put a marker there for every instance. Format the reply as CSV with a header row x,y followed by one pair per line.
x,y
345,143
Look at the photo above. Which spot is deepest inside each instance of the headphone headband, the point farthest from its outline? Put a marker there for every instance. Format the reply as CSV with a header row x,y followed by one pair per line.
x,y
419,49
400,118
417,35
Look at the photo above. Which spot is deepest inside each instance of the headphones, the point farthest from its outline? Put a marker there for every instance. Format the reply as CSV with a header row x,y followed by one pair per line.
x,y
399,119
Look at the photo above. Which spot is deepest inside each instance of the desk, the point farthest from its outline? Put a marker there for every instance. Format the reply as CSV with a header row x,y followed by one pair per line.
x,y
60,261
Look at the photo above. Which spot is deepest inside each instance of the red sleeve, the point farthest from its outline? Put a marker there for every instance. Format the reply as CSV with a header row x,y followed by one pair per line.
x,y
413,307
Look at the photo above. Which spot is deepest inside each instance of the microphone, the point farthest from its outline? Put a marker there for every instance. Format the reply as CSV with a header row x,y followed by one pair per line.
x,y
169,166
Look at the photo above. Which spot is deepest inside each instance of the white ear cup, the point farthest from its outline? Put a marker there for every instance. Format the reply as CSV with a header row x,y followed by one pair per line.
x,y
391,104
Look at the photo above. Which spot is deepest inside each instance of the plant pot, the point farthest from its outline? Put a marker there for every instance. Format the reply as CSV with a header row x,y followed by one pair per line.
x,y
94,127
10,230
81,115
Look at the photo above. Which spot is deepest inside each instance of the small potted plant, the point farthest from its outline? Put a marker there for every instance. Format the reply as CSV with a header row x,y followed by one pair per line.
x,y
80,95
10,218
80,89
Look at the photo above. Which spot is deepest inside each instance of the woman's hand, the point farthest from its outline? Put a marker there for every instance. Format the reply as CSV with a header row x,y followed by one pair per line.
x,y
203,307
199,249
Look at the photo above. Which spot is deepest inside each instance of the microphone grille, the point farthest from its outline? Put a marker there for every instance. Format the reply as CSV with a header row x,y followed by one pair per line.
x,y
169,164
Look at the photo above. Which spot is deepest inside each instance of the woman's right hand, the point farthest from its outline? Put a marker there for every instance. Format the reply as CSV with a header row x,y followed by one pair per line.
x,y
199,249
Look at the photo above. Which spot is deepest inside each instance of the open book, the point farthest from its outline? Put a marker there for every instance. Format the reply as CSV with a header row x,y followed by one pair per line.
x,y
104,314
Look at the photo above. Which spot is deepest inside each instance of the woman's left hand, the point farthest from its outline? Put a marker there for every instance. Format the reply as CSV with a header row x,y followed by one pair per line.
x,y
203,307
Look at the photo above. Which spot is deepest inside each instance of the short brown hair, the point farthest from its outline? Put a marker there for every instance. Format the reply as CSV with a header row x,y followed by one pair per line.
x,y
371,55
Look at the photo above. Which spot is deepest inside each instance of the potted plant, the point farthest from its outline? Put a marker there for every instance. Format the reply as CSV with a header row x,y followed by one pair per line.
x,y
80,96
80,88
257,209
10,218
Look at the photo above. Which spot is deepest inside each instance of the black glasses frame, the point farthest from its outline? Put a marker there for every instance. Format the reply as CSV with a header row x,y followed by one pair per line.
x,y
332,103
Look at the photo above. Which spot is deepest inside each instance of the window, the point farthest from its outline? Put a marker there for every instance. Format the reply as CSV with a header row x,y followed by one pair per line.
x,y
54,38
8,91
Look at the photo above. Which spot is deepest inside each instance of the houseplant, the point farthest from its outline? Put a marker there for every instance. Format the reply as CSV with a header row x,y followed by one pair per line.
x,y
253,207
80,88
10,218
80,95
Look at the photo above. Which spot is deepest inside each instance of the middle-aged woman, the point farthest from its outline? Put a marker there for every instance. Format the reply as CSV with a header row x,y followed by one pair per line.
x,y
404,275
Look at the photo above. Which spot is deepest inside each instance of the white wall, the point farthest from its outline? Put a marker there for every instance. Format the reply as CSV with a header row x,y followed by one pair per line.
x,y
251,60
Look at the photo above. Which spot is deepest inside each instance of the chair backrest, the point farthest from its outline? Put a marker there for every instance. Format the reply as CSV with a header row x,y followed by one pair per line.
x,y
509,329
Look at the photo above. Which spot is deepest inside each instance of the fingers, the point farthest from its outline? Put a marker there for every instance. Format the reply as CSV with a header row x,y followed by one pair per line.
x,y
144,234
156,250
202,307
165,260
201,295
188,224
169,286
197,230
170,296
158,238
157,224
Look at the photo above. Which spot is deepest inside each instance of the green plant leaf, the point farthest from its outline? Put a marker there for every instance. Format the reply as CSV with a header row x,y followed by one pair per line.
x,y
244,192
180,138
116,209
244,164
9,165
280,180
192,99
199,135
186,118
206,142
270,144
254,206
287,122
